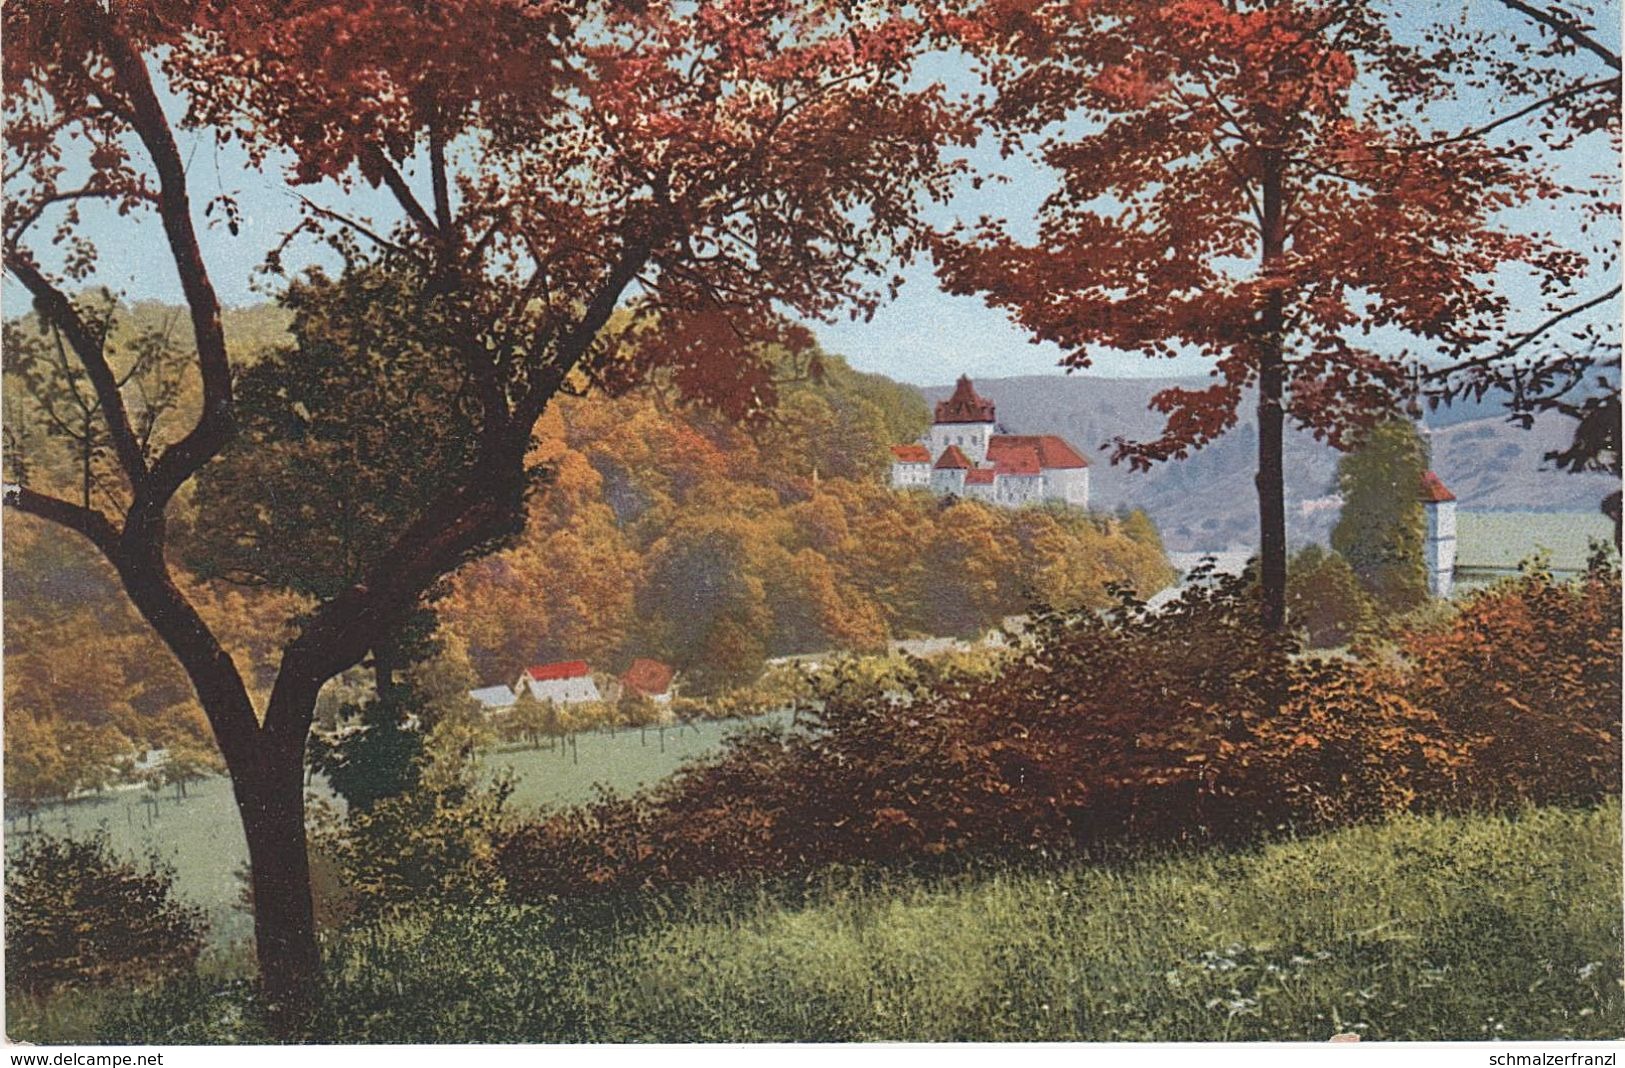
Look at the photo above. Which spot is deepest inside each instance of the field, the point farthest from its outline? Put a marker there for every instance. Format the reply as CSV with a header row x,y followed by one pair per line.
x,y
1501,540
1421,928
202,838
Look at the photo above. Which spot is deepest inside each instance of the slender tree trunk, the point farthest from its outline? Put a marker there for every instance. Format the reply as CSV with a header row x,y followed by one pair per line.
x,y
1271,477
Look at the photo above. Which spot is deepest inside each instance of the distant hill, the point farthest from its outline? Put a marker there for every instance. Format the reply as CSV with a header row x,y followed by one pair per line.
x,y
1208,501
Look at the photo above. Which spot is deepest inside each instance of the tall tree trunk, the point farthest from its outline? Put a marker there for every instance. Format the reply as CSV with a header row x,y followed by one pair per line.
x,y
1271,477
271,802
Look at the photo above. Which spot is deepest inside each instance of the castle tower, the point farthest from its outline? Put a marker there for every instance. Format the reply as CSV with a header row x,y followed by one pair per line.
x,y
964,420
1439,549
948,473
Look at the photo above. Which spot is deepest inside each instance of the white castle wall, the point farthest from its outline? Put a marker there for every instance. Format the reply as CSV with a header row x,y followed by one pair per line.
x,y
970,437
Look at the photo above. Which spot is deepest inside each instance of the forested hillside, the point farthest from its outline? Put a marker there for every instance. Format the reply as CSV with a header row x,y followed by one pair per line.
x,y
662,531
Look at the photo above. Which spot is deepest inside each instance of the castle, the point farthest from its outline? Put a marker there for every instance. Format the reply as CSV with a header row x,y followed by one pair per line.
x,y
964,457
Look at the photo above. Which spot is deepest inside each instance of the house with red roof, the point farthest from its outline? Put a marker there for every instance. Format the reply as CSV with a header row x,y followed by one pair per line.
x,y
562,682
649,678
964,455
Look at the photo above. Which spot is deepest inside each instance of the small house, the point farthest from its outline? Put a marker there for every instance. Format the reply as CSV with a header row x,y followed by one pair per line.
x,y
649,678
564,682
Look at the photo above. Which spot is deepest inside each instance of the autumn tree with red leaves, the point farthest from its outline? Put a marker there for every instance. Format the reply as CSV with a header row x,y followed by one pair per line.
x,y
1249,182
589,193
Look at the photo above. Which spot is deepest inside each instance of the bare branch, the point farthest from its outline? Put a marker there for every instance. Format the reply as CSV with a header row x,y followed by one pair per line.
x,y
59,310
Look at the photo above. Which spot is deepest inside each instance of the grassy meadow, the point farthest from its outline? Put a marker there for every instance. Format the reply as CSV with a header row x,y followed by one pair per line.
x,y
1483,927
202,837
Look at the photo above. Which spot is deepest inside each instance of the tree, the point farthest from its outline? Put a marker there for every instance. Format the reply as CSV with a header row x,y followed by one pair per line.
x,y
1557,92
1245,181
1381,528
704,167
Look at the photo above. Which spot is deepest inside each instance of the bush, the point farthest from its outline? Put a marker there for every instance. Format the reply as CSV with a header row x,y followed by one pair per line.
x,y
1129,726
432,843
1324,598
1527,675
76,915
1187,723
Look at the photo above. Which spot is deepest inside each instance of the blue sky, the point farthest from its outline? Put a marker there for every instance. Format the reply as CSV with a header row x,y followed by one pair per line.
x,y
925,336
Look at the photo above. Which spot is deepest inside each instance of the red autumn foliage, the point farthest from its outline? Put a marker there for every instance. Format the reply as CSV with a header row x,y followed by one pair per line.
x,y
1193,724
563,173
1252,182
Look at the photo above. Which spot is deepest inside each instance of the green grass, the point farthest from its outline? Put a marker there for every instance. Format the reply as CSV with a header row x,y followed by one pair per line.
x,y
1502,540
1483,927
202,836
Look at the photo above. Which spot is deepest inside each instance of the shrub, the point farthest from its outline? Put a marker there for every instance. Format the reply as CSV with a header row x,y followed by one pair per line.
x,y
76,915
1325,600
1187,723
432,843
1527,675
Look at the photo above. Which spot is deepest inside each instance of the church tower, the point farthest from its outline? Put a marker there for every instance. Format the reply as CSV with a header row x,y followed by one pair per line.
x,y
964,420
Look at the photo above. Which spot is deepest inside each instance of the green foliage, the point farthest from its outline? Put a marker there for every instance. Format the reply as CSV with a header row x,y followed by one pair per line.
x,y
343,436
1325,599
76,915
431,842
1419,929
1382,526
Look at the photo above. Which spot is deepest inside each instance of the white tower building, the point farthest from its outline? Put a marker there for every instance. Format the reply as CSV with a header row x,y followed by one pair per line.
x,y
1439,550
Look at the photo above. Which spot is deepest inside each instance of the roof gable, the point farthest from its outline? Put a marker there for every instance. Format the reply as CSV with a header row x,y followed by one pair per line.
x,y
648,676
952,459
1434,490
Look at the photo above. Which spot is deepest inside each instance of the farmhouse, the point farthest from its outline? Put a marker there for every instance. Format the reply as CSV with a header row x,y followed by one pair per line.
x,y
563,682
649,678
964,456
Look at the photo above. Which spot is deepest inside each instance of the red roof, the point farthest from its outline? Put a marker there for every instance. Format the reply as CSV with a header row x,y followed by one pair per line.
x,y
1051,451
649,677
911,454
981,476
563,669
1434,491
1014,460
952,459
965,406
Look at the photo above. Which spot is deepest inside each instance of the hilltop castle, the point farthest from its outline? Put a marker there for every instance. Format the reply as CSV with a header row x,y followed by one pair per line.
x,y
963,456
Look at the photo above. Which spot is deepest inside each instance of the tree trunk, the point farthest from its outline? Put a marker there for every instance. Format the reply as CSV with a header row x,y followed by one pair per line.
x,y
1271,477
272,805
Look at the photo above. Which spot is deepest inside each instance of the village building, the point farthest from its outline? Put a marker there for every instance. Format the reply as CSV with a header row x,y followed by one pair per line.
x,y
1439,547
964,455
564,682
493,698
650,679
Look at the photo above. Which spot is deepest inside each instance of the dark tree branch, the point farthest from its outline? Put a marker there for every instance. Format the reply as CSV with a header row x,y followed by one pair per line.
x,y
1566,29
59,310
1511,348
88,522
403,194
214,426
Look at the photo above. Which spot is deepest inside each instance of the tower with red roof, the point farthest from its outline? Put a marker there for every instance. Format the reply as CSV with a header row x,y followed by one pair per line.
x,y
1439,548
964,456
